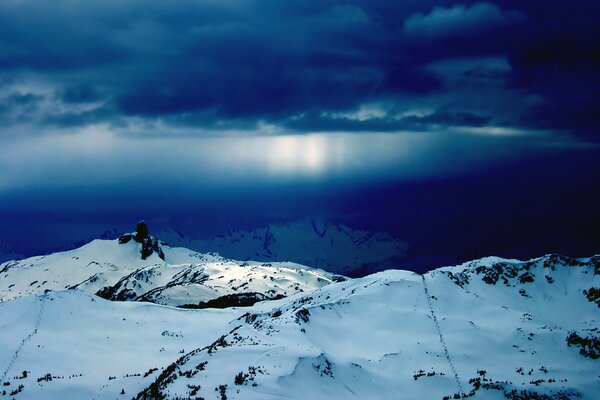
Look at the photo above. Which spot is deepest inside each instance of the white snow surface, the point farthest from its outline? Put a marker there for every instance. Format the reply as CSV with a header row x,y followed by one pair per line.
x,y
184,277
483,329
93,348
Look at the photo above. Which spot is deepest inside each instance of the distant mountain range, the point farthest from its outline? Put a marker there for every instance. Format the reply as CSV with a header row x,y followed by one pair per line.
x,y
7,253
332,247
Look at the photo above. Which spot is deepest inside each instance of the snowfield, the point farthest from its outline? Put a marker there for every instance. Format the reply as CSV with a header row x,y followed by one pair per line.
x,y
117,272
401,335
487,329
79,346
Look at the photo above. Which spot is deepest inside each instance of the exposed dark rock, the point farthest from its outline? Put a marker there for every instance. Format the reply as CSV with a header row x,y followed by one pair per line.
x,y
497,271
526,278
596,262
125,238
589,346
141,230
125,295
150,244
119,291
233,300
107,292
302,315
593,295
459,278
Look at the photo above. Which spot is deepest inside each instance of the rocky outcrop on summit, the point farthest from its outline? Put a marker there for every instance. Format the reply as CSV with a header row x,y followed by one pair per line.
x,y
515,273
141,235
114,270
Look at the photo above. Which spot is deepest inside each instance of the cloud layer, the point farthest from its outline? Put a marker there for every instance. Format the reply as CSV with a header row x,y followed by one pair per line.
x,y
300,66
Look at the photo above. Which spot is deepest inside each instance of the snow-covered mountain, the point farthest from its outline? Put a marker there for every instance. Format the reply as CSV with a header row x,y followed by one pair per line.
x,y
487,329
116,271
492,328
332,247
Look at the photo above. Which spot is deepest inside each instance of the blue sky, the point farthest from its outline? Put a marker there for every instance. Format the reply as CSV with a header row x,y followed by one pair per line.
x,y
402,116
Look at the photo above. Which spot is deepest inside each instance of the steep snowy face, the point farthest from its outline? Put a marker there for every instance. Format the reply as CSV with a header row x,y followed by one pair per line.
x,y
115,270
489,329
332,247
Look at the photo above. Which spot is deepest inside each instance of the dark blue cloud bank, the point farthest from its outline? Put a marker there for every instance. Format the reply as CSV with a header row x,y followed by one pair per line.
x,y
466,128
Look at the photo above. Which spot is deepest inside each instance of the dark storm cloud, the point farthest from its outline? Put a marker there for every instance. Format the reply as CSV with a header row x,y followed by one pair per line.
x,y
83,93
459,19
560,61
18,106
313,122
115,110
236,64
75,119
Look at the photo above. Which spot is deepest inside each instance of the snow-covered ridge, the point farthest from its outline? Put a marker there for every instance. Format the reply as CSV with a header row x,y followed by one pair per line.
x,y
333,247
454,332
117,272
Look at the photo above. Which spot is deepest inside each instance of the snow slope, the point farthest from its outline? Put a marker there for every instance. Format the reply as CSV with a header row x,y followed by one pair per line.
x,y
117,272
488,329
400,335
76,346
332,247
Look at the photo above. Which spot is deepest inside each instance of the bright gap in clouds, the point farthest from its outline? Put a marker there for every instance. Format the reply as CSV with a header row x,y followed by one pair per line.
x,y
97,156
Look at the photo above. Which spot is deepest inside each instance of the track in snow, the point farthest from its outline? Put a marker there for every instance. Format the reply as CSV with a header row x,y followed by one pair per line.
x,y
26,339
442,341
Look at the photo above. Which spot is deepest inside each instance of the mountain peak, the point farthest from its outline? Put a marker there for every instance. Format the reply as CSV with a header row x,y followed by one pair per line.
x,y
142,235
